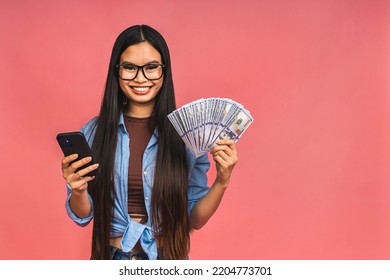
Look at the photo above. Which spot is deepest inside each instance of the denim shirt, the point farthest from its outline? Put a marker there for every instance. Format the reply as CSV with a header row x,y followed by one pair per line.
x,y
122,225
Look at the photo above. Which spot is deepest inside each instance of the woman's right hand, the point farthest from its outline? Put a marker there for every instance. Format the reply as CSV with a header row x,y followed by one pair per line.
x,y
78,181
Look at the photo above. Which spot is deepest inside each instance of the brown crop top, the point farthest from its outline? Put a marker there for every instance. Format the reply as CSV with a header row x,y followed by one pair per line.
x,y
140,133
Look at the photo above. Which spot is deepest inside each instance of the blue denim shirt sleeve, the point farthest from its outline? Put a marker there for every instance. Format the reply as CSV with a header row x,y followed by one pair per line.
x,y
197,183
80,221
88,131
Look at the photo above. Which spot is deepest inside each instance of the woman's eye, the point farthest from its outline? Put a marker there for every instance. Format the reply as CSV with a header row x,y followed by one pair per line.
x,y
129,67
151,66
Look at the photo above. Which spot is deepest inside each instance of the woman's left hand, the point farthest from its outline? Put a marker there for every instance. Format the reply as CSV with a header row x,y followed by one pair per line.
x,y
225,157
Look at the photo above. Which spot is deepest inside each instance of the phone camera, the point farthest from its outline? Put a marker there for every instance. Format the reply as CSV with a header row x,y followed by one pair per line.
x,y
66,142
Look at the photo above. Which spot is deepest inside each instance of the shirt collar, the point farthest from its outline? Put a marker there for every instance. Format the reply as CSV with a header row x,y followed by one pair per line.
x,y
122,123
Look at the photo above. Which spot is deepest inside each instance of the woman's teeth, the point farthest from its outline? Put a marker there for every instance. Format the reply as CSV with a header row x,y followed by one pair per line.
x,y
141,89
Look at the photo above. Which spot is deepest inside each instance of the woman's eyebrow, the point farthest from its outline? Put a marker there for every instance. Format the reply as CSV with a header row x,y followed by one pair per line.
x,y
150,62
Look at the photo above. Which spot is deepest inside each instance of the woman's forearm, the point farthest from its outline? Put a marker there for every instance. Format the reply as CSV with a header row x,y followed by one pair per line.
x,y
80,204
206,206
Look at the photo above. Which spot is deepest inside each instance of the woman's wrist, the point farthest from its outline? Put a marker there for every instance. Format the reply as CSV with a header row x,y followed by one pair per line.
x,y
224,183
79,193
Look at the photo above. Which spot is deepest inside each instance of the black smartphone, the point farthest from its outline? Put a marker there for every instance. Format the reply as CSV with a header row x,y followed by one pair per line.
x,y
75,143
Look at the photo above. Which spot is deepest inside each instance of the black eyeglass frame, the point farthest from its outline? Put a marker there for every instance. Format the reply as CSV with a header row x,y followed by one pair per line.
x,y
142,69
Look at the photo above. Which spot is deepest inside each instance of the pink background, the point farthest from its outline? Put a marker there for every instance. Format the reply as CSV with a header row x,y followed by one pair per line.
x,y
313,177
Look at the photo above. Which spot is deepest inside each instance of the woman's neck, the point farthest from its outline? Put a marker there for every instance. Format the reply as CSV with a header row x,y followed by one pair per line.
x,y
138,111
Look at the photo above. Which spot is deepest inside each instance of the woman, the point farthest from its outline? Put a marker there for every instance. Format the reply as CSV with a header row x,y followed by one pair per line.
x,y
151,191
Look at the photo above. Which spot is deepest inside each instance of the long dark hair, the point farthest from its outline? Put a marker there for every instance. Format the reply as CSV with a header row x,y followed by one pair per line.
x,y
169,215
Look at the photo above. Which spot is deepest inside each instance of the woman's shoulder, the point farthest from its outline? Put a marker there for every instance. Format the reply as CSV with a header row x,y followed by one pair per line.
x,y
89,129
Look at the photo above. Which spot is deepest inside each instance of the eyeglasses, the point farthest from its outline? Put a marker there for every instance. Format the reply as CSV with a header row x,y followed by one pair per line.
x,y
151,71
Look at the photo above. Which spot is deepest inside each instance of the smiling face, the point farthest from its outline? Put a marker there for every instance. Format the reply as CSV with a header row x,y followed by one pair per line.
x,y
141,92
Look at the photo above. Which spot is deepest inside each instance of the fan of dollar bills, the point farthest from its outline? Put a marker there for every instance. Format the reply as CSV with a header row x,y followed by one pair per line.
x,y
203,122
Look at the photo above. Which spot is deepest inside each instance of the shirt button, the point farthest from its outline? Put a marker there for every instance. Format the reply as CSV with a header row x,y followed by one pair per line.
x,y
146,197
145,173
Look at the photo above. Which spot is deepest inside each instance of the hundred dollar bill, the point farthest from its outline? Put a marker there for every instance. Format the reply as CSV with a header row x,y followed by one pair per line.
x,y
202,122
234,128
